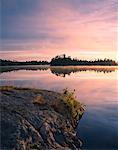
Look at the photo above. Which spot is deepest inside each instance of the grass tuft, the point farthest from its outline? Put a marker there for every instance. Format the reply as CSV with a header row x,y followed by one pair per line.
x,y
75,108
39,100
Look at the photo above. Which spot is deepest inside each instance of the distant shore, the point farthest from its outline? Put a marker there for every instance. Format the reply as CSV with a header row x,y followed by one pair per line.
x,y
49,66
62,60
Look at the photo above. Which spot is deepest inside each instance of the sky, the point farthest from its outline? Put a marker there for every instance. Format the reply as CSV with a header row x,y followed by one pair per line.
x,y
42,29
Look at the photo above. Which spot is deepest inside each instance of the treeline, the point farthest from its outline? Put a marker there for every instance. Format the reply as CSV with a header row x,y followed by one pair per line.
x,y
62,60
16,63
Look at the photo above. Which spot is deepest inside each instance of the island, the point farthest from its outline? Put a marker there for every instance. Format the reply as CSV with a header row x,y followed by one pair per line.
x,y
39,119
61,60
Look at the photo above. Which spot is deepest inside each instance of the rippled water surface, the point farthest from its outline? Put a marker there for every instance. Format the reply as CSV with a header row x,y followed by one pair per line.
x,y
96,87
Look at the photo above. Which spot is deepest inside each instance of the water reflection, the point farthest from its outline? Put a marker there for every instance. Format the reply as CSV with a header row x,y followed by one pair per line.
x,y
61,71
96,87
14,68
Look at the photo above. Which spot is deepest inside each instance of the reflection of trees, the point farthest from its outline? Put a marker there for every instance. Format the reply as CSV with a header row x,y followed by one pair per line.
x,y
9,69
63,71
58,71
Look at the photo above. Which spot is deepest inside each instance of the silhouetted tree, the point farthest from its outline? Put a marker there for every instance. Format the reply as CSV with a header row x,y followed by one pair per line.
x,y
61,60
68,61
16,63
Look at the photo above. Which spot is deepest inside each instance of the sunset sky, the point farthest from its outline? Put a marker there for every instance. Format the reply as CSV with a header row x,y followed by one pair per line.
x,y
41,29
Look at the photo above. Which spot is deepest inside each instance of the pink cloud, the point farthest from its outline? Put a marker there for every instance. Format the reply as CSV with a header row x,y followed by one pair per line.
x,y
68,31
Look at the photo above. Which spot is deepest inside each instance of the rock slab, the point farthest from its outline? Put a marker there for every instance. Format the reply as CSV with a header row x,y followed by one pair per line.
x,y
37,119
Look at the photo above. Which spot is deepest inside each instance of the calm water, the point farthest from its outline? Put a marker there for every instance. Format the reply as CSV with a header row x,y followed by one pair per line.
x,y
96,87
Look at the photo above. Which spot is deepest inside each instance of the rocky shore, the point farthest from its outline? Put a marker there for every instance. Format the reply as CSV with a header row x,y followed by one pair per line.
x,y
39,119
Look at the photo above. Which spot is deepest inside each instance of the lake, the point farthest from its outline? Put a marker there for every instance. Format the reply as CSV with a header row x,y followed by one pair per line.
x,y
96,87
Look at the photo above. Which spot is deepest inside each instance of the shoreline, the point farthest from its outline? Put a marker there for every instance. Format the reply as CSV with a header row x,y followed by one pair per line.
x,y
59,66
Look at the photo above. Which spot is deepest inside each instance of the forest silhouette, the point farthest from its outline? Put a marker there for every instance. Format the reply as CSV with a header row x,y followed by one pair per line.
x,y
62,60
